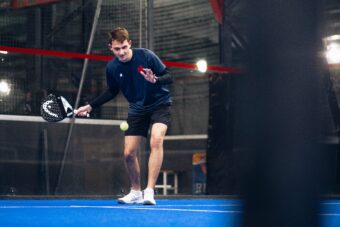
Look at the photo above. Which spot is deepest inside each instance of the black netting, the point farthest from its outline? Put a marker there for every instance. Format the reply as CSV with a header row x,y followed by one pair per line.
x,y
182,31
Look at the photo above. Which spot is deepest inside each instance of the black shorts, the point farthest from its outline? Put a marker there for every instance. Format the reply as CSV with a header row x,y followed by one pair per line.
x,y
139,124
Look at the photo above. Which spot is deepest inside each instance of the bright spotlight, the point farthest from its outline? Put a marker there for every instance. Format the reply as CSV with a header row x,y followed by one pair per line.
x,y
332,44
3,52
202,66
4,88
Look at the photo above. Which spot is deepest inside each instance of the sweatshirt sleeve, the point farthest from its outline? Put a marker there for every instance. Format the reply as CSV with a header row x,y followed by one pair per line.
x,y
111,91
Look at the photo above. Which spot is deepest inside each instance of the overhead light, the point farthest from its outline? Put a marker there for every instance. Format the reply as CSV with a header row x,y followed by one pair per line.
x,y
3,52
4,88
202,65
332,45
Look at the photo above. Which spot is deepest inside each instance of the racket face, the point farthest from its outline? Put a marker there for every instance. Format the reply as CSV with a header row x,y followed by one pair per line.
x,y
52,108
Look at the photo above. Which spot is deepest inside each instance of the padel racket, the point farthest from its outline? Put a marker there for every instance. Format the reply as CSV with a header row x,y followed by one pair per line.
x,y
55,108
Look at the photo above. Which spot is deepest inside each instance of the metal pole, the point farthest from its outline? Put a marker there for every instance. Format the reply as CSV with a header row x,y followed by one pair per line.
x,y
150,24
140,22
69,134
47,172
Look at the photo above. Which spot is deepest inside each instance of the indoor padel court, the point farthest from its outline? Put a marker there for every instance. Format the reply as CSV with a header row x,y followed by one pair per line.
x,y
170,113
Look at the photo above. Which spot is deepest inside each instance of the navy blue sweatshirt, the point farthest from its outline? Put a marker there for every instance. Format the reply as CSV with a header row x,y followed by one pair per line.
x,y
143,96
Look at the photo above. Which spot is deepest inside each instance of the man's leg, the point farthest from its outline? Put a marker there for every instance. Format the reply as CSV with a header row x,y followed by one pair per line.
x,y
158,131
131,147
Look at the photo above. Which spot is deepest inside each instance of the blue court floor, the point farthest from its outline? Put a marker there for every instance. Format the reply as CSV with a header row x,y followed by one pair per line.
x,y
167,212
330,213
173,212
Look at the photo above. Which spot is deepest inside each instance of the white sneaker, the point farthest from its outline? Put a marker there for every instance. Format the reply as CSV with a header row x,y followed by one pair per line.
x,y
132,198
149,197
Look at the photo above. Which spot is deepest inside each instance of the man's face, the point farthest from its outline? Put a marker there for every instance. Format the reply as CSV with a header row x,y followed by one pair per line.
x,y
122,50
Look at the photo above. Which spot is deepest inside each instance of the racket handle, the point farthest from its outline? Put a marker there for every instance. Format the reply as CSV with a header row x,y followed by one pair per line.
x,y
87,114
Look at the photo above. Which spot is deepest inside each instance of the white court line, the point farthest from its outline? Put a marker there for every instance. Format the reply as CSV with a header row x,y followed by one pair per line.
x,y
135,208
330,203
158,205
198,205
119,207
330,214
163,209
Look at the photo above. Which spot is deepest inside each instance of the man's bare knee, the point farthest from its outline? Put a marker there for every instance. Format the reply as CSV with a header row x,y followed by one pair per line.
x,y
156,142
129,155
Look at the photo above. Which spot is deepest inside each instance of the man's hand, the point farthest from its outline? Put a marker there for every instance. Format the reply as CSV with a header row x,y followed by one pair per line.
x,y
83,111
148,75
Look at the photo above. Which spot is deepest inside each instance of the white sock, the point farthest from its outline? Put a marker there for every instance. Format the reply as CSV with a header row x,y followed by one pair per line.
x,y
150,190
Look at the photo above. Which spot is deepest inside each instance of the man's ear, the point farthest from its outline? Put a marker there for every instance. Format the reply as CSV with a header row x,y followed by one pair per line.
x,y
130,43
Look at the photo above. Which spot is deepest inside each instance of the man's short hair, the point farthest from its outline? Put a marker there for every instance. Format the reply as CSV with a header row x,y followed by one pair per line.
x,y
119,34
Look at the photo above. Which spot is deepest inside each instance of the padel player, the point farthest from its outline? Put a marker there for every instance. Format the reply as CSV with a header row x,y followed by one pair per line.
x,y
142,78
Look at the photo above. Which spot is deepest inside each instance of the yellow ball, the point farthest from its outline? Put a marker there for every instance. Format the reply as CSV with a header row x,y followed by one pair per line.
x,y
124,126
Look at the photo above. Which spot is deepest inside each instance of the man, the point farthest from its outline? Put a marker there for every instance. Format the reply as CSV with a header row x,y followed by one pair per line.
x,y
141,76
